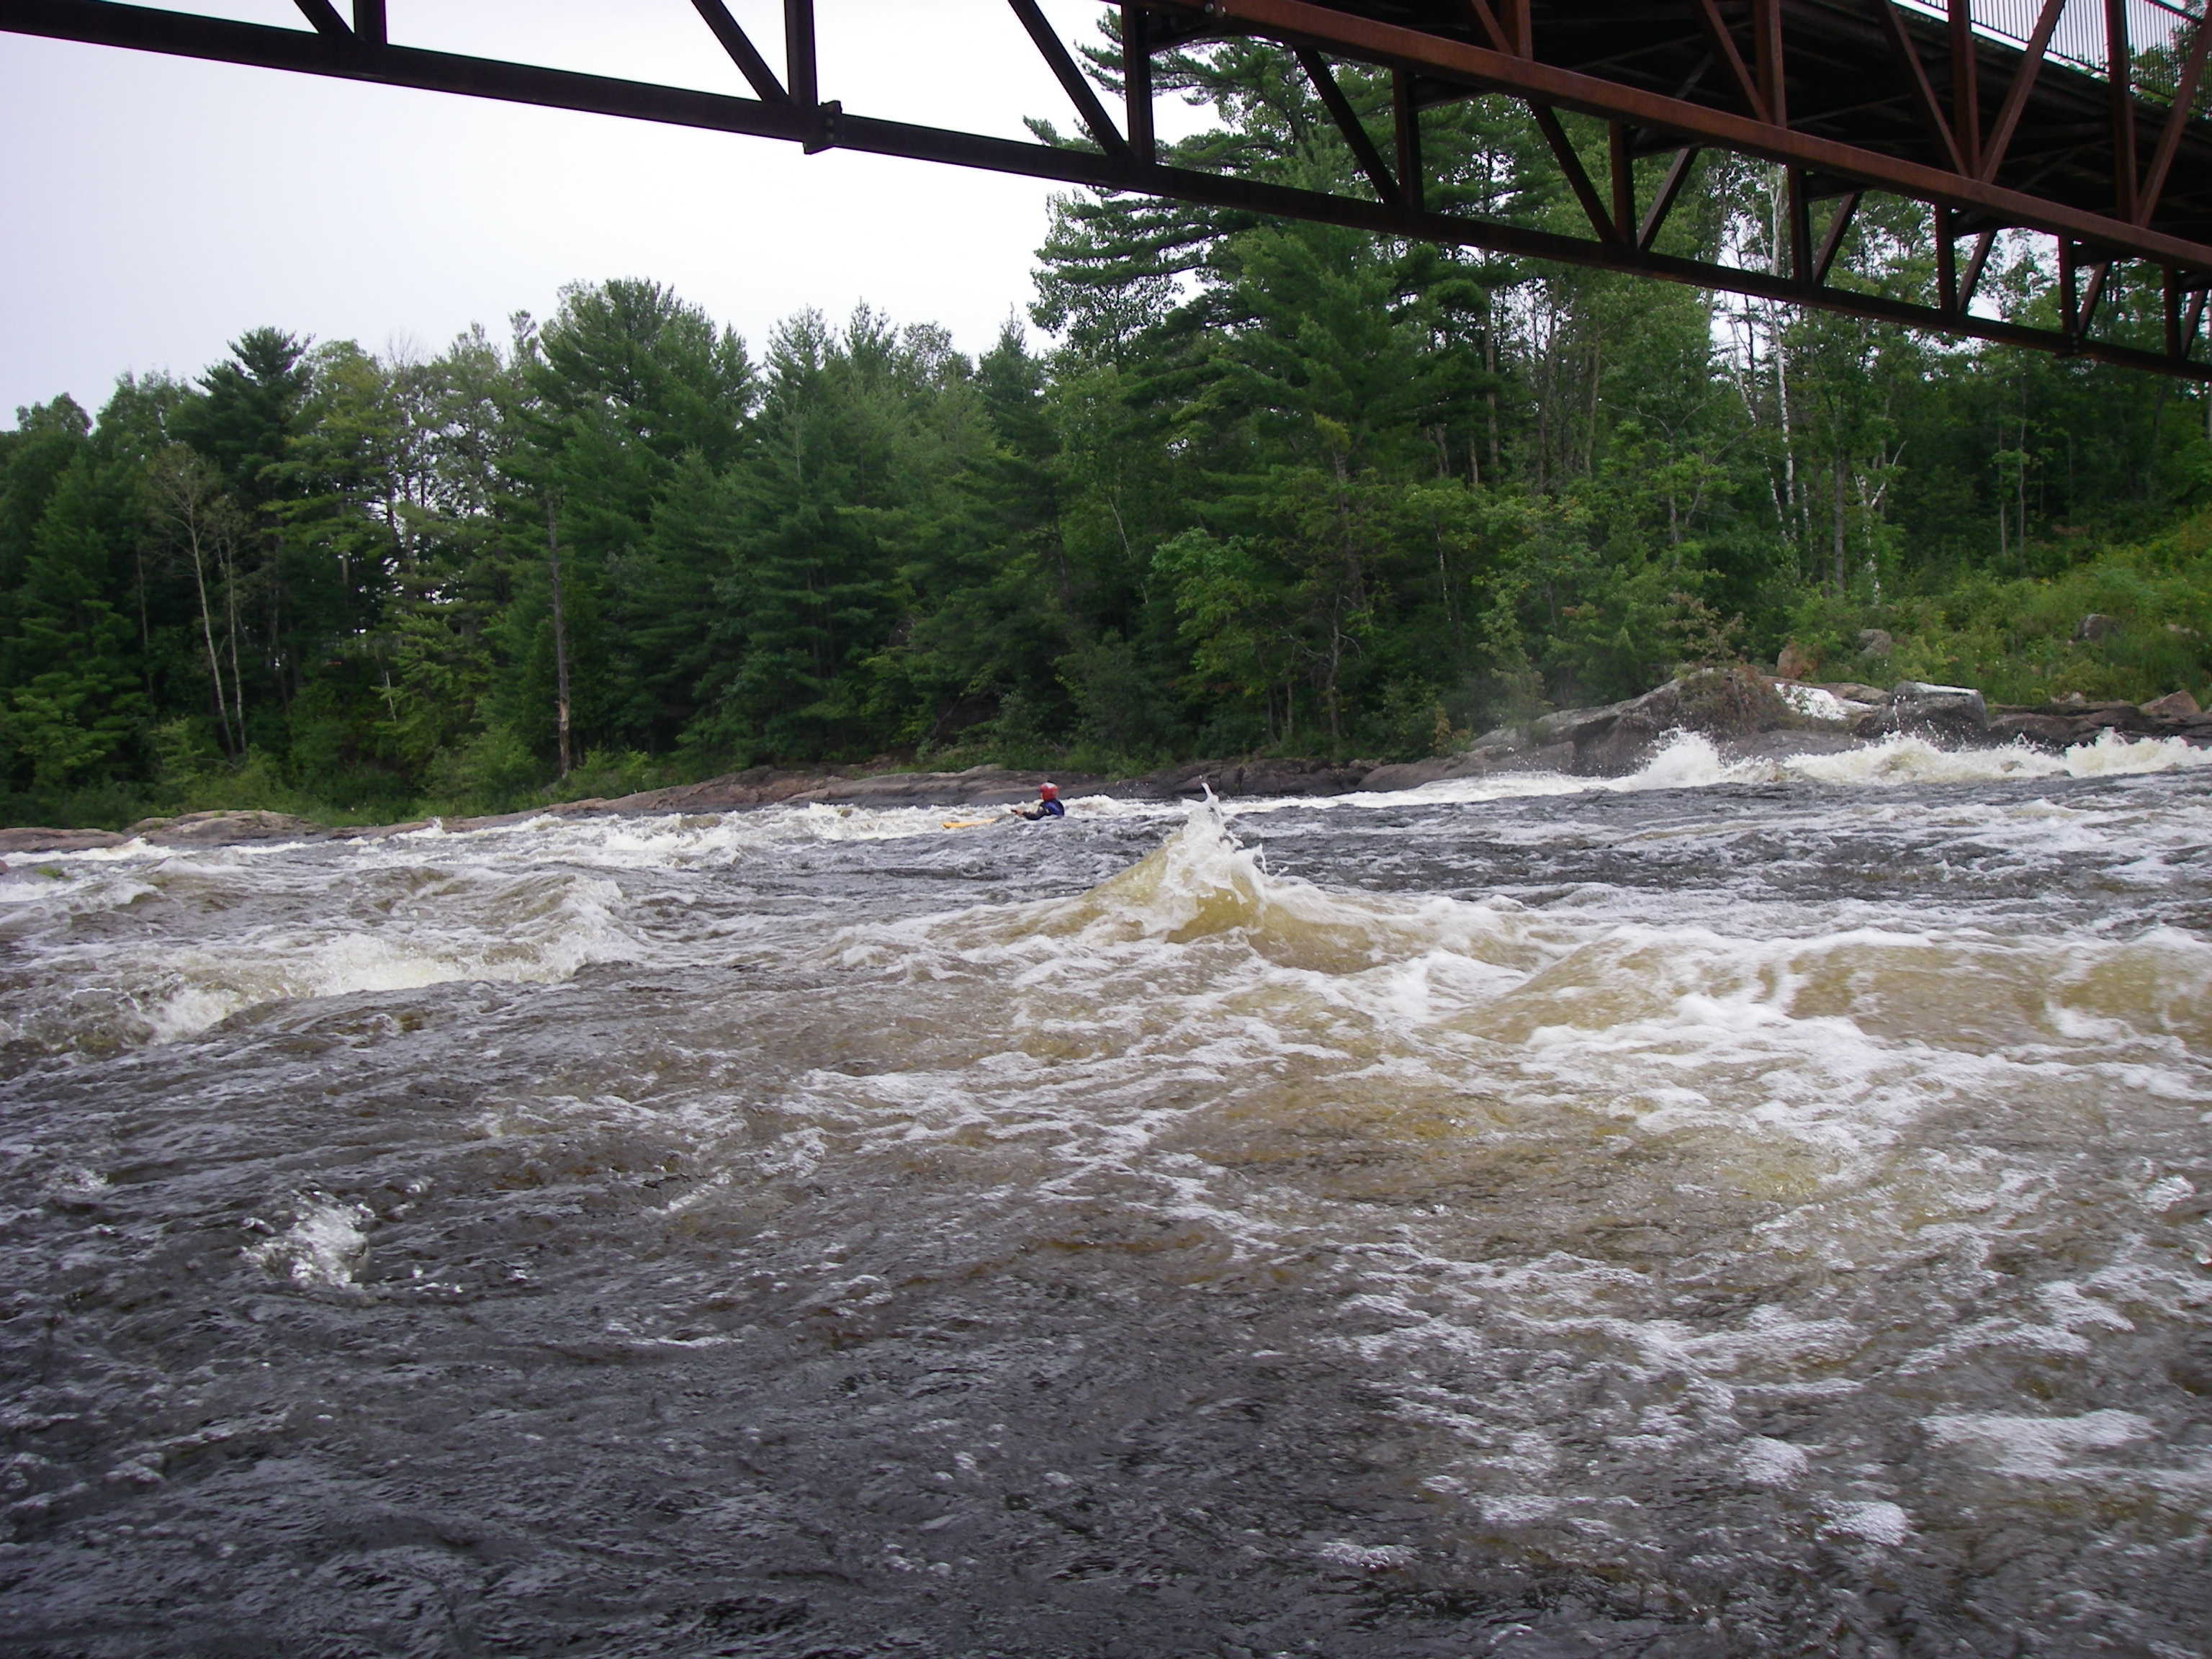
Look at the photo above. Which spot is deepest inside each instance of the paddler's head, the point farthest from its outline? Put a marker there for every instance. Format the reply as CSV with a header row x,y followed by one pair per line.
x,y
1048,791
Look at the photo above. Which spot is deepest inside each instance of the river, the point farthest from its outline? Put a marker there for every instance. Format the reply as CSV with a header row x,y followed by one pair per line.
x,y
1728,1211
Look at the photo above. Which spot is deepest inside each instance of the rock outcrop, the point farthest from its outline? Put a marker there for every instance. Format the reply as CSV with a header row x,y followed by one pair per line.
x,y
1948,715
1744,713
31,838
223,829
2073,720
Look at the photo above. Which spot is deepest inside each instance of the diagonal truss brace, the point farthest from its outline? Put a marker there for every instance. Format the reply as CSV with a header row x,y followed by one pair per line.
x,y
360,54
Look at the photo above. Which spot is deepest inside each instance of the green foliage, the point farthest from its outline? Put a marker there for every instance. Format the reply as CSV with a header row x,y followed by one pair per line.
x,y
493,771
1270,488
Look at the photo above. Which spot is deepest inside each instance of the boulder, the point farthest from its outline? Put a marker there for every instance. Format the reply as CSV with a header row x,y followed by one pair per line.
x,y
2174,706
33,839
1853,691
1291,777
1616,740
224,828
1250,777
2053,733
1875,642
1577,725
1485,760
1795,663
1787,744
979,786
1939,713
1624,743
2094,626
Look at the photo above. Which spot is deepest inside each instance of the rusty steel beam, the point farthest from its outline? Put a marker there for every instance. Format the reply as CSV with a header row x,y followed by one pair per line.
x,y
1975,262
1369,158
1833,243
2177,118
2023,83
2119,75
1739,76
751,64
1766,53
1136,84
1923,90
325,17
1406,124
1965,81
1620,161
2091,295
1369,39
1654,216
1571,168
803,119
801,63
1487,22
1071,79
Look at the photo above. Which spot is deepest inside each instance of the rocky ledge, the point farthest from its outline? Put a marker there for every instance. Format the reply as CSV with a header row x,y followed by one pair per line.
x,y
1746,713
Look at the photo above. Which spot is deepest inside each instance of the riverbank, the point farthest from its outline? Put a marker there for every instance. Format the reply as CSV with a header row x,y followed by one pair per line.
x,y
1745,713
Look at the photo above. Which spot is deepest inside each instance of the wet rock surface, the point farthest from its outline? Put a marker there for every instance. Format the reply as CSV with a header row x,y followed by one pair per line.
x,y
1610,741
1053,1246
224,828
31,838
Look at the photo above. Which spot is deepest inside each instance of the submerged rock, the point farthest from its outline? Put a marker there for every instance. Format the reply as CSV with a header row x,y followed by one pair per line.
x,y
1484,760
1721,703
2094,626
32,838
1254,777
1948,715
220,829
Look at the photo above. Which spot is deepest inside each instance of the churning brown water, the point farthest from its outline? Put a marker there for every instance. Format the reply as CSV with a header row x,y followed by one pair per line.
x,y
1753,1210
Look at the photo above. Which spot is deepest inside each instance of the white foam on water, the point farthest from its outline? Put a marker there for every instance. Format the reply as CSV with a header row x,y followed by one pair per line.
x,y
2038,1448
1814,703
322,1249
1878,1521
541,929
2163,1193
1770,1462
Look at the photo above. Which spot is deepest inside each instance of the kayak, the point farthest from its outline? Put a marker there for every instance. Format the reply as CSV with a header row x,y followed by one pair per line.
x,y
971,823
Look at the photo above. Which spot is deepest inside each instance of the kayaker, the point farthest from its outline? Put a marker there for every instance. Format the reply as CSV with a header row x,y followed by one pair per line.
x,y
1048,804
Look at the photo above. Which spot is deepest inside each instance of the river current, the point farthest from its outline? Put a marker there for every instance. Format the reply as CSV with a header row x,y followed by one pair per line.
x,y
1728,1210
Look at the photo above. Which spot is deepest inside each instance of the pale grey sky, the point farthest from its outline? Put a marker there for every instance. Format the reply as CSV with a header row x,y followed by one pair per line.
x,y
158,207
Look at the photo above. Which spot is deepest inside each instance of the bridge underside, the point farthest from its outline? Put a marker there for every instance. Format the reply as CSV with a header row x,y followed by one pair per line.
x,y
2076,120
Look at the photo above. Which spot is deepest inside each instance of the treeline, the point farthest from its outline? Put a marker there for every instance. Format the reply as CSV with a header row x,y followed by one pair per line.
x,y
1271,487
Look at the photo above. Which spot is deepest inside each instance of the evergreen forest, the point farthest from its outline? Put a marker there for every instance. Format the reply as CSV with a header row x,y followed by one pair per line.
x,y
1245,486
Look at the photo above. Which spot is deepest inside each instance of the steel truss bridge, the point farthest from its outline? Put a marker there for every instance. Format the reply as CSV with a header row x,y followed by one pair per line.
x,y
2077,120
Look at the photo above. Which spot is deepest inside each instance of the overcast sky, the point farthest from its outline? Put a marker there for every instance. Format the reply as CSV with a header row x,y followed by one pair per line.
x,y
157,206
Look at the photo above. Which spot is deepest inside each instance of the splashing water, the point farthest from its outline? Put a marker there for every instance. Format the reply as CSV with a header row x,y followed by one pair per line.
x,y
1745,1208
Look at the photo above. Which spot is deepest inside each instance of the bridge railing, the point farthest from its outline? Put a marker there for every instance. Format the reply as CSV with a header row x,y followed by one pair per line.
x,y
2157,32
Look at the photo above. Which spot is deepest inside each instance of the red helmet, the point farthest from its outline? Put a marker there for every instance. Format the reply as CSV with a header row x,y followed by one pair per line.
x,y
1048,790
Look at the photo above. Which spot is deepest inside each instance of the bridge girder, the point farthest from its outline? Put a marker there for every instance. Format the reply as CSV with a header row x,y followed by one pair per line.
x,y
1845,97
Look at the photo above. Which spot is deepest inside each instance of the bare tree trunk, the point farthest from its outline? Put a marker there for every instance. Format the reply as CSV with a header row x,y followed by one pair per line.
x,y
560,637
1836,477
207,635
1597,377
230,605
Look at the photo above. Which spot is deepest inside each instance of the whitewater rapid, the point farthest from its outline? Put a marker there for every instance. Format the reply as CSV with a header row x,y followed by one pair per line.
x,y
1741,1208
